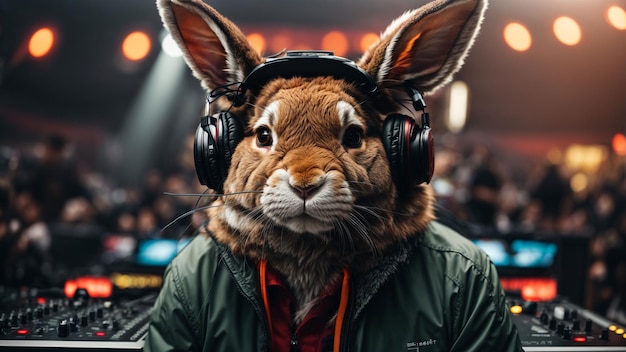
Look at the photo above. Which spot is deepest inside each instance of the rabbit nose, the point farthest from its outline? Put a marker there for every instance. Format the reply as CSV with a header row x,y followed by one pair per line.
x,y
305,192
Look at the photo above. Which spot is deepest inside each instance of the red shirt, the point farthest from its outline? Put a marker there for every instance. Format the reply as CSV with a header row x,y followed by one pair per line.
x,y
314,333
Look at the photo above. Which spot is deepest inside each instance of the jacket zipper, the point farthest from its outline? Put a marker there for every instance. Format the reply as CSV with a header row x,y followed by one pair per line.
x,y
293,345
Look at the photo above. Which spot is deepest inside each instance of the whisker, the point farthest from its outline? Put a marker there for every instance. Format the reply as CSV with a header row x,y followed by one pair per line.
x,y
186,214
209,194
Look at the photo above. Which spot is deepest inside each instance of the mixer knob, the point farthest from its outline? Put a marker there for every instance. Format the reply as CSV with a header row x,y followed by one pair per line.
x,y
588,325
604,335
22,318
99,312
560,328
116,324
552,323
63,329
105,324
55,307
39,313
574,314
575,325
74,324
566,314
13,319
46,310
83,321
29,314
567,334
543,317
92,315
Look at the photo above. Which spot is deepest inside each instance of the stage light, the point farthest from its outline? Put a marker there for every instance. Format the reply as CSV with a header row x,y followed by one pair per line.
x,y
336,42
136,46
367,40
457,110
616,16
169,46
619,144
517,36
257,41
566,30
41,42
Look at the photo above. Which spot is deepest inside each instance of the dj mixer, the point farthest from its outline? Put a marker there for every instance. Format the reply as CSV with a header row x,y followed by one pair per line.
x,y
35,322
559,325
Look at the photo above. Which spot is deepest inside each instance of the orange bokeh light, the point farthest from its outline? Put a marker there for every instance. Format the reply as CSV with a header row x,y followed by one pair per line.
x,y
619,144
517,36
41,42
257,41
567,31
367,40
335,41
136,46
616,16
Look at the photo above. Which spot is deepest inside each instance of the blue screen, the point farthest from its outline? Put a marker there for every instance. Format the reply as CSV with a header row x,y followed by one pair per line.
x,y
158,252
519,253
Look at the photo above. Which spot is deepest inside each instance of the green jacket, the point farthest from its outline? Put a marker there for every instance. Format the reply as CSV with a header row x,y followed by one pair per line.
x,y
437,293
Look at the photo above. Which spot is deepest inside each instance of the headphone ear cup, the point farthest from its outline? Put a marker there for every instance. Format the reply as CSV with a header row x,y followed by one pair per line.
x,y
426,152
409,149
394,142
215,141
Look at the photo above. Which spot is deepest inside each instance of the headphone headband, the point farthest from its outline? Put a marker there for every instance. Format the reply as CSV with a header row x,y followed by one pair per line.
x,y
307,64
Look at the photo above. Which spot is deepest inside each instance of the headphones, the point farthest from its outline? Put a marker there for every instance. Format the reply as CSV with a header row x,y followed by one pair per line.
x,y
409,147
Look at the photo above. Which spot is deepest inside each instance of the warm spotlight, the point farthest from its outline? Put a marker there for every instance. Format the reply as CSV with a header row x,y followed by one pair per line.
x,y
136,46
566,30
517,36
367,40
616,16
257,41
41,42
335,41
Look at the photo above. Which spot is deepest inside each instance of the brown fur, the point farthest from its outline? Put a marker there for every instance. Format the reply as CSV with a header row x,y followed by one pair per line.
x,y
354,212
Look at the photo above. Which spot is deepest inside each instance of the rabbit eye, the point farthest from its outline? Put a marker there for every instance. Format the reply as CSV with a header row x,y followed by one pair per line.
x,y
263,137
353,137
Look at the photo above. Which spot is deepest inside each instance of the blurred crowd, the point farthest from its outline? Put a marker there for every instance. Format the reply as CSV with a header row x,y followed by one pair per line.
x,y
46,194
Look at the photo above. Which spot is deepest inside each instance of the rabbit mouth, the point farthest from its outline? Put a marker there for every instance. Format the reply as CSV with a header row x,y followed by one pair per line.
x,y
306,224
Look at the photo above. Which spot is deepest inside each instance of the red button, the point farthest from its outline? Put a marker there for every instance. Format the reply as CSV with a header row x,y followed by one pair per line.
x,y
22,331
101,333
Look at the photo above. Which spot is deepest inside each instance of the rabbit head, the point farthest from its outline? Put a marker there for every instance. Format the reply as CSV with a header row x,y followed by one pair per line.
x,y
310,187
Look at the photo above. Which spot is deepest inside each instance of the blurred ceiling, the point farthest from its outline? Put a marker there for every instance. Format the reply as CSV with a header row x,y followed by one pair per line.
x,y
549,91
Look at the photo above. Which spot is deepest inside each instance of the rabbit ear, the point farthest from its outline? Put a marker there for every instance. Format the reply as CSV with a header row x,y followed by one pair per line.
x,y
214,48
425,47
